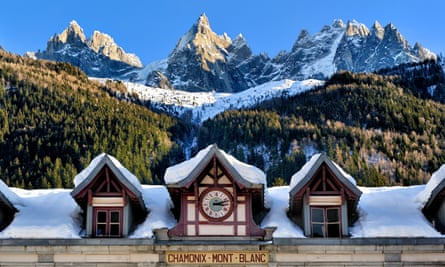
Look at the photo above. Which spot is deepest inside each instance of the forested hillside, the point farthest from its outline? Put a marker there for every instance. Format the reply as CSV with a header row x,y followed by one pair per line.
x,y
376,127
53,121
384,129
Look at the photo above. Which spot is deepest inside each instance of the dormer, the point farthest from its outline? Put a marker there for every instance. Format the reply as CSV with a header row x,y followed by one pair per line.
x,y
432,199
111,198
215,195
323,198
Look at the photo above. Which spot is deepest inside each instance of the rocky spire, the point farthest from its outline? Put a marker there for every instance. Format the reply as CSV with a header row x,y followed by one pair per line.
x,y
378,30
104,44
392,34
98,56
74,33
353,28
205,43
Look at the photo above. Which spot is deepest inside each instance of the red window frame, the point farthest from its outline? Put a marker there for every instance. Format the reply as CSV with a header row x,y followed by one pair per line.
x,y
107,223
325,223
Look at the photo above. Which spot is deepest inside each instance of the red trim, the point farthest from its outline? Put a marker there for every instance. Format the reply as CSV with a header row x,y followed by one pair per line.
x,y
325,221
194,187
108,222
229,209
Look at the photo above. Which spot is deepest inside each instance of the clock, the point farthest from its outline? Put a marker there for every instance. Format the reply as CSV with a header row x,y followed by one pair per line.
x,y
216,204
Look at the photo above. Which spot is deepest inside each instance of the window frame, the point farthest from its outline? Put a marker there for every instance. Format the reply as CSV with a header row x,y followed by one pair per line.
x,y
325,224
108,223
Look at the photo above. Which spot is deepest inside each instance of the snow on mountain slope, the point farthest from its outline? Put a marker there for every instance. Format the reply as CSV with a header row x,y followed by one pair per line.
x,y
205,105
325,64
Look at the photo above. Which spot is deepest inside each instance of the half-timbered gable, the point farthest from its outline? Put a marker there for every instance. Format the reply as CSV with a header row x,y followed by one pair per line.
x,y
7,208
111,198
216,195
433,200
323,198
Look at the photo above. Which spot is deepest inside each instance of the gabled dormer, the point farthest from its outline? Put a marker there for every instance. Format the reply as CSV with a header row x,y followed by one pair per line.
x,y
323,198
111,198
432,199
215,195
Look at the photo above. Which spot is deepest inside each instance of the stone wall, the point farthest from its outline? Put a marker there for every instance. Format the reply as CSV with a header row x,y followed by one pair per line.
x,y
279,252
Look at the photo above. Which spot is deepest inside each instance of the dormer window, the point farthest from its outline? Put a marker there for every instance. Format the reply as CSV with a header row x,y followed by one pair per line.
x,y
323,198
108,222
110,197
325,222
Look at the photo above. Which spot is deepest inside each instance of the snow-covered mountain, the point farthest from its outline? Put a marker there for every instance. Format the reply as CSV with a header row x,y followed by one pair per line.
x,y
98,56
204,61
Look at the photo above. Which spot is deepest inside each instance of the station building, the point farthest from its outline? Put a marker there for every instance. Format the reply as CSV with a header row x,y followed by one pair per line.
x,y
215,210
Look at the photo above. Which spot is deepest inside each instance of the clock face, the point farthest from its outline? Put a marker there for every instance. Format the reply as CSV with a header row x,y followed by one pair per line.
x,y
216,203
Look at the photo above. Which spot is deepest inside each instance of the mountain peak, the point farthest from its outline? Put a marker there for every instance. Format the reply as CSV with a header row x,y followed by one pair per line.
x,y
393,34
205,43
338,23
98,56
354,28
378,30
203,20
73,33
103,43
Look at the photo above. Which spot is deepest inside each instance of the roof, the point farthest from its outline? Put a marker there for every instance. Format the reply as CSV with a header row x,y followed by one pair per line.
x,y
302,177
85,177
183,173
384,212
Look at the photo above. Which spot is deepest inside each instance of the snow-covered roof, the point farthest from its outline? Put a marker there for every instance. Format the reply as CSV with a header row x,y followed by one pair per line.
x,y
84,178
300,178
432,188
383,212
188,170
45,213
391,212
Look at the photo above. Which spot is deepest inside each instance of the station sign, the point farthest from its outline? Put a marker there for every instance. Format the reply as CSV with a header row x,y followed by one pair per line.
x,y
217,257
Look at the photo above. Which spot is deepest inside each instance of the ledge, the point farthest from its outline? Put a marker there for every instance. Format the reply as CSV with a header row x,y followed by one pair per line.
x,y
275,241
361,241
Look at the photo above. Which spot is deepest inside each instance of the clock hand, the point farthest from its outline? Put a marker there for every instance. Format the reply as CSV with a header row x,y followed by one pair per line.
x,y
220,203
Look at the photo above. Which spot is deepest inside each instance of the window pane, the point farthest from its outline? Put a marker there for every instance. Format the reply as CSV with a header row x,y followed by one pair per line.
x,y
332,215
317,215
114,230
101,216
334,230
115,216
101,229
318,230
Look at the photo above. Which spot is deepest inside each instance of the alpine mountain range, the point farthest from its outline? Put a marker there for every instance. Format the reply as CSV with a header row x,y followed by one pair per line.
x,y
204,61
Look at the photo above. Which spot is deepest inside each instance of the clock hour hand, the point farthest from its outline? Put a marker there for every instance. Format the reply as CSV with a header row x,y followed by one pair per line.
x,y
220,203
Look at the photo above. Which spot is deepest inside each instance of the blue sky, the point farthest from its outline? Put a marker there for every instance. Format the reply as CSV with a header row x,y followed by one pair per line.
x,y
151,29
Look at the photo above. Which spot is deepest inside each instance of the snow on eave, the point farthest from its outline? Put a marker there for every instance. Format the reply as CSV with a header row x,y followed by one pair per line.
x,y
10,198
243,173
181,171
300,178
434,186
84,178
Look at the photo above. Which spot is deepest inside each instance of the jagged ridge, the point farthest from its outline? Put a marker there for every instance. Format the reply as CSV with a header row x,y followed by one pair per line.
x,y
204,61
98,56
